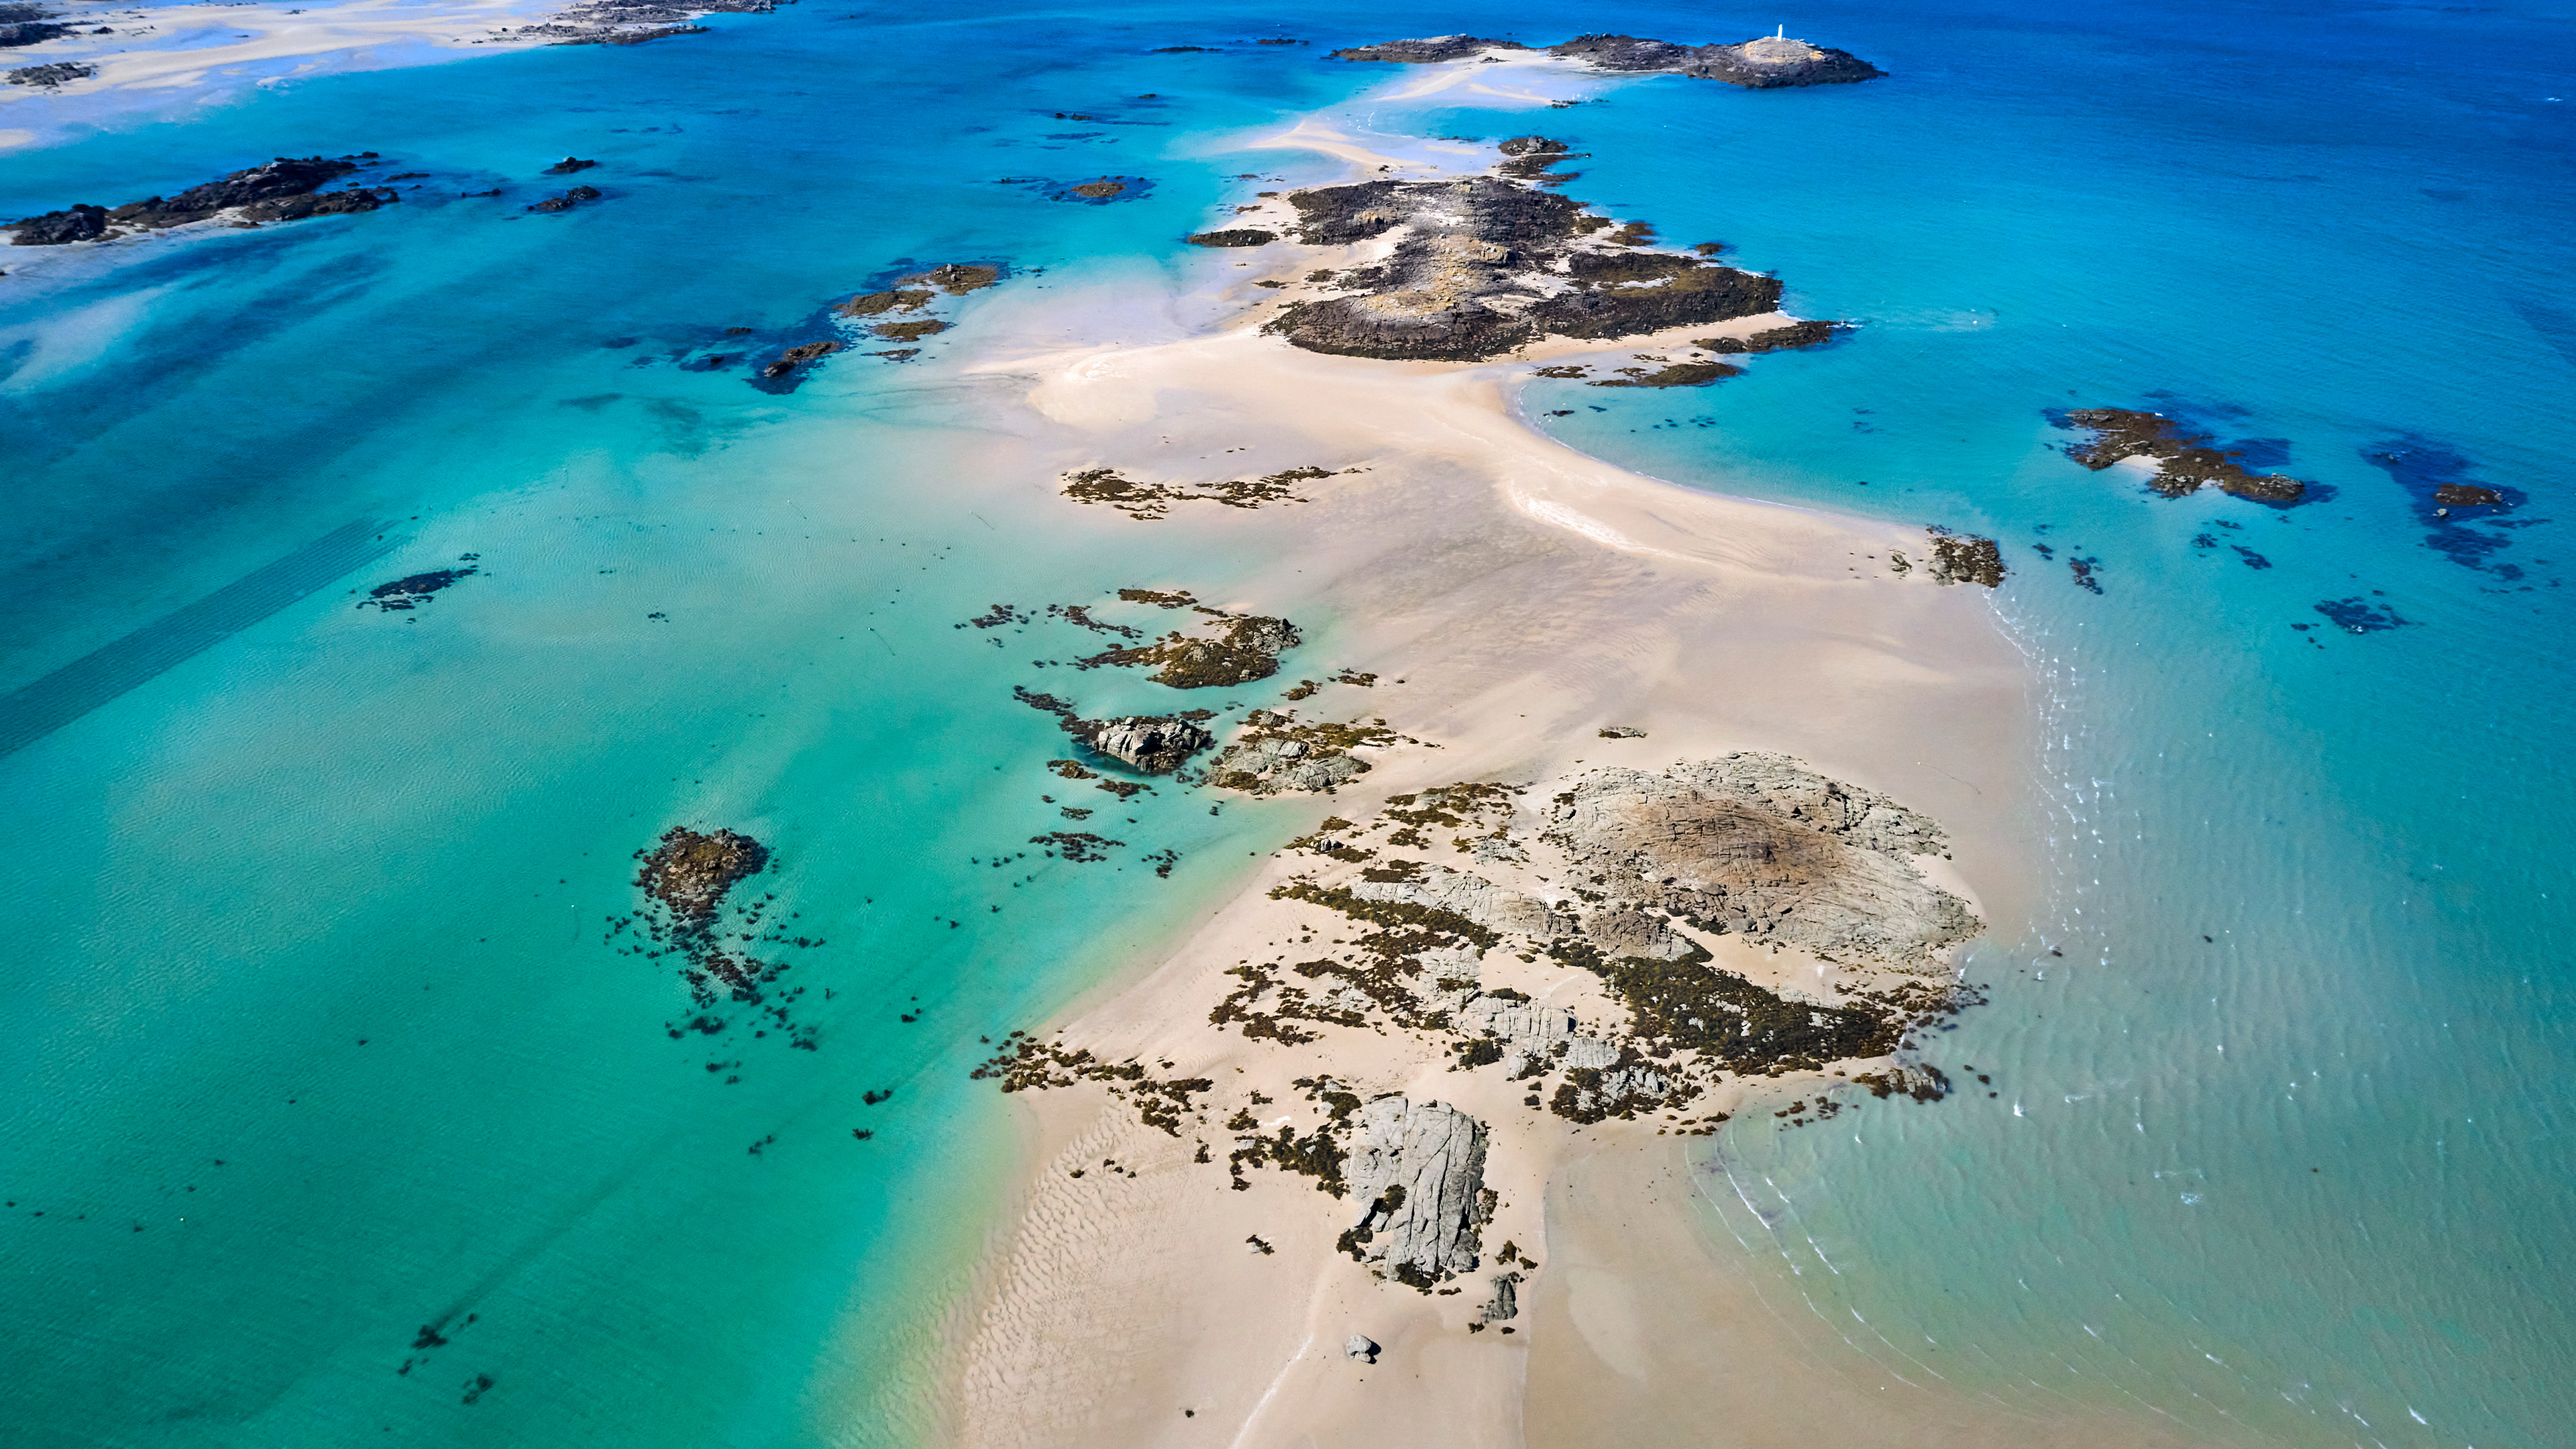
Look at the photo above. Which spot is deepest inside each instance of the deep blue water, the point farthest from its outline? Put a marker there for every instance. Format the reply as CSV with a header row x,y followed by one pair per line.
x,y
2342,233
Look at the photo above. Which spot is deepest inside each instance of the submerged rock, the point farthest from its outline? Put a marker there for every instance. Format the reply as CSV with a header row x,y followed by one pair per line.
x,y
1418,1175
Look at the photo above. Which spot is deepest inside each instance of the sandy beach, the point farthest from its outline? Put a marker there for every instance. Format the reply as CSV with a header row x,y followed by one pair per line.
x,y
1513,598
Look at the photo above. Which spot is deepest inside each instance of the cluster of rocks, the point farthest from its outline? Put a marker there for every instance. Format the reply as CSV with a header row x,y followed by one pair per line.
x,y
28,25
568,199
1276,753
1765,63
1241,648
50,76
896,314
286,189
1479,266
1963,558
1143,500
2185,460
632,22
1623,873
687,879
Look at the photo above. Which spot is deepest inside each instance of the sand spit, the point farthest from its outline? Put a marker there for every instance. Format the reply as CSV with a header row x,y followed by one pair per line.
x,y
1658,807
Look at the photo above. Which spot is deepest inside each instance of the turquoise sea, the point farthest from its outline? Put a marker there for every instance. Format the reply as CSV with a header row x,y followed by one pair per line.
x,y
335,1112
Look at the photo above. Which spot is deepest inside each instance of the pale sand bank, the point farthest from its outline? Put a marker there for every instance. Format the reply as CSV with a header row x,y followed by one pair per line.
x,y
1525,596
1513,597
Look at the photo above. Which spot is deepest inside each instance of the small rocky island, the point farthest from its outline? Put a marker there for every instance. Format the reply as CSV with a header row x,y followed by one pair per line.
x,y
1477,267
286,189
1766,63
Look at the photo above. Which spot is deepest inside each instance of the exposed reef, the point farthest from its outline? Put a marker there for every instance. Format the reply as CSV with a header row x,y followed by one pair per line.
x,y
286,189
1237,237
1766,63
1241,648
568,200
1144,501
1276,753
29,25
1677,374
1797,334
1964,558
2184,460
50,76
690,872
1632,878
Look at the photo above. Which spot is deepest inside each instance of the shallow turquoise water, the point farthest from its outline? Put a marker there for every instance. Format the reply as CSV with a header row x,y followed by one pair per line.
x,y
2335,230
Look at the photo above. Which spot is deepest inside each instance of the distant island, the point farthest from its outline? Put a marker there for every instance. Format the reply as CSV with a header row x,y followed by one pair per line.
x,y
1765,63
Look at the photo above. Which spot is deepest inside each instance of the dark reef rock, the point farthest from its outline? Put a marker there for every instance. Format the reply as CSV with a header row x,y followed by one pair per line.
x,y
1429,51
2466,495
47,77
26,25
568,200
1766,63
957,278
569,165
690,872
408,593
1487,264
1143,500
1678,374
1103,190
58,228
281,190
877,304
2185,461
1238,237
1154,744
1964,558
1796,334
796,357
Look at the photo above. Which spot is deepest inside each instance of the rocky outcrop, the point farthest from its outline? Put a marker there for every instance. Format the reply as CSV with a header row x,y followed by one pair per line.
x,y
1279,754
1418,1176
49,77
1796,334
690,873
1766,63
1678,374
1756,845
1154,744
410,592
1245,647
1430,51
568,200
632,22
28,25
286,189
2185,461
1471,896
1483,265
1236,237
1964,558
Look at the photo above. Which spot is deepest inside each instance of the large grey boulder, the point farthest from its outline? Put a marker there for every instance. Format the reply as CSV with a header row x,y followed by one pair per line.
x,y
1418,1176
1155,744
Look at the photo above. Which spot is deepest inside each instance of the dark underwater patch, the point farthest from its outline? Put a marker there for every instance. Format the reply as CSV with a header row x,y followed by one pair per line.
x,y
2442,488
